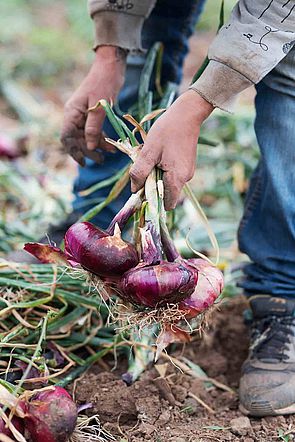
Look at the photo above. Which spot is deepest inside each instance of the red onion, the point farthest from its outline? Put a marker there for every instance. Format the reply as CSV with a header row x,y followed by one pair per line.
x,y
51,416
99,252
156,285
102,252
209,287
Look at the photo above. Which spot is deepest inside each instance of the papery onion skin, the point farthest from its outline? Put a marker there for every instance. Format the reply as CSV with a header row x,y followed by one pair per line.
x,y
157,285
46,253
51,416
99,252
209,287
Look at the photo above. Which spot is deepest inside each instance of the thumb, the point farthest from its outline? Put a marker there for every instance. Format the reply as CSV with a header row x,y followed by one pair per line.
x,y
93,127
146,160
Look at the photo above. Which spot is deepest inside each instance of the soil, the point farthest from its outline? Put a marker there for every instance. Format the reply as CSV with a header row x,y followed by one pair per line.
x,y
165,410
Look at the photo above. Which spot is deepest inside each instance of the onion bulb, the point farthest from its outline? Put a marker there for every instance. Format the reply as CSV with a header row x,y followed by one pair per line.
x,y
97,251
209,287
51,416
157,285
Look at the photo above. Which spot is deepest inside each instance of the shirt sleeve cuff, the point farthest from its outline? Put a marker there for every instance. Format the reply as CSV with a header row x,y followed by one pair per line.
x,y
114,29
220,85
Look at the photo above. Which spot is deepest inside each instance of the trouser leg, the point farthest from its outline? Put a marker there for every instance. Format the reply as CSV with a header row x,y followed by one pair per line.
x,y
267,229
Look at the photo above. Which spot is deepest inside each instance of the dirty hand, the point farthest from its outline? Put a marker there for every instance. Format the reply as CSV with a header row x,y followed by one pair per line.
x,y
171,145
82,131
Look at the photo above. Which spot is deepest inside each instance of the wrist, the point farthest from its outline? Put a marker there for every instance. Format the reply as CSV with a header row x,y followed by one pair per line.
x,y
110,54
196,106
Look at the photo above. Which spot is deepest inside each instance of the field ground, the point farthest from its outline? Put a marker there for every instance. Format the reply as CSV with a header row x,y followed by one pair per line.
x,y
179,407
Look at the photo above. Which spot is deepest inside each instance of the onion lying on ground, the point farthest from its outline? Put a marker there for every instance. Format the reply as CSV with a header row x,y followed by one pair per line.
x,y
51,416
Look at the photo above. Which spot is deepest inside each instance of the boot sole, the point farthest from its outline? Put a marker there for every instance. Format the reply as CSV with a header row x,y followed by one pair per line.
x,y
267,410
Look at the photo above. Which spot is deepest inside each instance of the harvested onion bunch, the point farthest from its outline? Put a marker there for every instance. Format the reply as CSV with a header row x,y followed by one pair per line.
x,y
149,275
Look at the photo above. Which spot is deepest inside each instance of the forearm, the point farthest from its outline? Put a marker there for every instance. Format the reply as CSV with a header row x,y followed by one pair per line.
x,y
257,37
119,23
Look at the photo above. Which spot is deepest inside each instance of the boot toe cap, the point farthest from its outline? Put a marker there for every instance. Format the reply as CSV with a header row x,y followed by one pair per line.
x,y
267,393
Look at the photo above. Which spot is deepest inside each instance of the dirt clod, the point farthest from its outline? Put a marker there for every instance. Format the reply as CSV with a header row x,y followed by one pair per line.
x,y
241,426
179,392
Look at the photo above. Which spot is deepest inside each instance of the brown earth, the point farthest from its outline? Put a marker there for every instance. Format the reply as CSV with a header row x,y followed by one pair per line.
x,y
167,411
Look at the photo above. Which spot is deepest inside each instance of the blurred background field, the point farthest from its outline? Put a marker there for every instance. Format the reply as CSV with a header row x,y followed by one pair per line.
x,y
45,51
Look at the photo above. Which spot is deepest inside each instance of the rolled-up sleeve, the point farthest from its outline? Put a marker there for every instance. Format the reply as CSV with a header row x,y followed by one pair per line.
x,y
257,37
119,22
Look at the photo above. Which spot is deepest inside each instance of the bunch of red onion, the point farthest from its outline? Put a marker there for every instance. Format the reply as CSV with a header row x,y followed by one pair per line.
x,y
148,272
145,277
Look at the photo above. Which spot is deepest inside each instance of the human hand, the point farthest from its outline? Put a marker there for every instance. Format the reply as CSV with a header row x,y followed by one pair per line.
x,y
171,145
82,131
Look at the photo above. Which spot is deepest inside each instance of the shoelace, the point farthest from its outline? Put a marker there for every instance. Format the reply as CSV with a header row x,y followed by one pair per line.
x,y
271,336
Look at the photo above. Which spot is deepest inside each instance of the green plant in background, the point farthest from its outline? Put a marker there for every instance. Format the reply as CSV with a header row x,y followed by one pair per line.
x,y
36,46
209,19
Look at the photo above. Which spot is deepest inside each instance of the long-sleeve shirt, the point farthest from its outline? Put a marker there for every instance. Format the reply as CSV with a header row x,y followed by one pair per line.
x,y
258,35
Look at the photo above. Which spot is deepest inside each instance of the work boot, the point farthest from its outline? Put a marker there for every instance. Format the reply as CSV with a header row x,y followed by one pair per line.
x,y
55,234
267,385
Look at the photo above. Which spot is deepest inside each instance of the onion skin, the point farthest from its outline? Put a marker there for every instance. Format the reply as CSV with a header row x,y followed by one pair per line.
x,y
51,416
157,285
47,254
97,251
151,247
209,287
